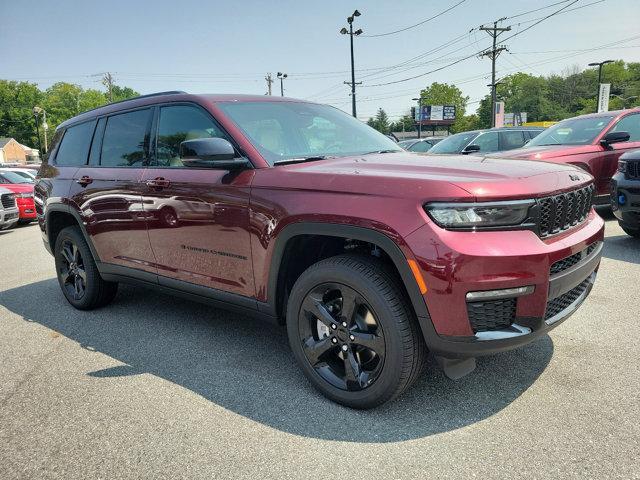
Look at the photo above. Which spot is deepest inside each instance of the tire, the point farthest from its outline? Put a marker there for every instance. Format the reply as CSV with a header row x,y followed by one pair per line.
x,y
631,232
383,369
77,273
169,217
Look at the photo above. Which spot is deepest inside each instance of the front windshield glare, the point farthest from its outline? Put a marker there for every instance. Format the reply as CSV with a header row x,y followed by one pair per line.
x,y
453,144
297,130
13,177
577,131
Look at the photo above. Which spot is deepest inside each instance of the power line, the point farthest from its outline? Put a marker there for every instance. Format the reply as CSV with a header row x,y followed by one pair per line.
x,y
416,24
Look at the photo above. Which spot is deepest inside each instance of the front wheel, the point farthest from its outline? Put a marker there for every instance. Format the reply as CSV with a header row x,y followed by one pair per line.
x,y
631,231
78,275
353,332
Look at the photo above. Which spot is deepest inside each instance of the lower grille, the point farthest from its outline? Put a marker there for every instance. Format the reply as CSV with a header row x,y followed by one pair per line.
x,y
8,200
568,262
492,315
558,304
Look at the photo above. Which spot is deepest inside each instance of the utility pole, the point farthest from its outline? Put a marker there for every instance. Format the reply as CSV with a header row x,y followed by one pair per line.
x,y
107,81
352,83
493,54
269,80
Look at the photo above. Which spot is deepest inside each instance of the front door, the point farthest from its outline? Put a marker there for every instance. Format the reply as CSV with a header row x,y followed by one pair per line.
x,y
198,218
108,192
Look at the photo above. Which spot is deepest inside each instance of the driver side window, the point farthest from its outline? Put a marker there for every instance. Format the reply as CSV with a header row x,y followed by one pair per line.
x,y
631,125
178,123
488,142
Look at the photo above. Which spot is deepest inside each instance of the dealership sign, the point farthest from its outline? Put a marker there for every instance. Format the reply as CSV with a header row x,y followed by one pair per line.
x,y
436,114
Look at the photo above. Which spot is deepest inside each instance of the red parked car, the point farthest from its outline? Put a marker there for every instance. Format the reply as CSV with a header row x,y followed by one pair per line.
x,y
370,255
592,142
23,188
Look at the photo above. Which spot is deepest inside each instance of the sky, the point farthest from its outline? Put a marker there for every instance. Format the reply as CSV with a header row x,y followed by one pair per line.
x,y
229,47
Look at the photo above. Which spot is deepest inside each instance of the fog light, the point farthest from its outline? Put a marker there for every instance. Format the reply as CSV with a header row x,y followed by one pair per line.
x,y
622,198
497,294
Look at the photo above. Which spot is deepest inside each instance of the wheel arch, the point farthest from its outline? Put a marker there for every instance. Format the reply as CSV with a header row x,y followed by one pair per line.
x,y
281,255
59,216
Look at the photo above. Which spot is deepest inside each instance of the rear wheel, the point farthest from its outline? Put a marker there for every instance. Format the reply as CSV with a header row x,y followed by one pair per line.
x,y
78,275
353,333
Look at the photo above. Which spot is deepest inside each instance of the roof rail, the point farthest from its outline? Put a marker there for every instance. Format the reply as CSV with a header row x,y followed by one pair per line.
x,y
169,92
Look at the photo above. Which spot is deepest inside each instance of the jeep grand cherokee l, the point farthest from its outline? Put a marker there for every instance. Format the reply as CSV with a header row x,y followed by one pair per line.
x,y
625,193
370,255
592,142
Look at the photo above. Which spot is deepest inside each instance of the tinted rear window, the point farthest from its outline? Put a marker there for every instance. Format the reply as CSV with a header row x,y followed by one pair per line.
x,y
126,139
74,148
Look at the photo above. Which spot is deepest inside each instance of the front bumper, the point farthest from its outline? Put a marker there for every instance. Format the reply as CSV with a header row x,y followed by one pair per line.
x,y
456,263
627,212
8,217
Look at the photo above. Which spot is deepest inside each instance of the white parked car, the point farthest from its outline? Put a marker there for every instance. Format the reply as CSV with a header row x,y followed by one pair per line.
x,y
27,173
8,209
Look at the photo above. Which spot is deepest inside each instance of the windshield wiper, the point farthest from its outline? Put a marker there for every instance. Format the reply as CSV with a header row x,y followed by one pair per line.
x,y
381,151
300,159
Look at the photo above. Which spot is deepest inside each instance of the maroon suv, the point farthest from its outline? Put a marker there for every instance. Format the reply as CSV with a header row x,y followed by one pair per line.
x,y
300,214
592,142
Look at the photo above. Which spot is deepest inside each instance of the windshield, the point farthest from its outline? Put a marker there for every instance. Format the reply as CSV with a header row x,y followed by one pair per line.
x,y
296,130
13,177
454,143
576,131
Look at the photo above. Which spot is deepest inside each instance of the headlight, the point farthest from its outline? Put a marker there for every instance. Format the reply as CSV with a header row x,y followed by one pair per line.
x,y
622,166
479,215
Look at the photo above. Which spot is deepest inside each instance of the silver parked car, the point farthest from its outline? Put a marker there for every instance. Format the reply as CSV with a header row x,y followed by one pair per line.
x,y
8,209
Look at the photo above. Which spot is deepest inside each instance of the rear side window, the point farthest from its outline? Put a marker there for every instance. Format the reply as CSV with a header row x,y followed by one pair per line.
x,y
74,148
511,139
126,139
533,133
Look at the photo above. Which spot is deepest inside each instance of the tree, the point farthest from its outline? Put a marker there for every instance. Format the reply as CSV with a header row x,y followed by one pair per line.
x,y
380,122
17,100
406,123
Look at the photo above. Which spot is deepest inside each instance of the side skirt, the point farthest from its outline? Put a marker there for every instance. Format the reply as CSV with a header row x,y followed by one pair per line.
x,y
189,291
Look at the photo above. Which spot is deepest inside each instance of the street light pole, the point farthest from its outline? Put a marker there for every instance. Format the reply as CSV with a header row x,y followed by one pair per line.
x,y
351,33
419,100
599,65
281,76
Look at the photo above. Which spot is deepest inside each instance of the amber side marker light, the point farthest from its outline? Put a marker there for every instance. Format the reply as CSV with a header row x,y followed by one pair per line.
x,y
418,276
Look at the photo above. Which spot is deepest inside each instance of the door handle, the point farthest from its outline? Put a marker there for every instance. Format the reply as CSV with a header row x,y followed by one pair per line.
x,y
84,181
158,182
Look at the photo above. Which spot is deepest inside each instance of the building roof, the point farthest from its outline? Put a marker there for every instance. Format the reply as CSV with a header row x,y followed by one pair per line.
x,y
4,141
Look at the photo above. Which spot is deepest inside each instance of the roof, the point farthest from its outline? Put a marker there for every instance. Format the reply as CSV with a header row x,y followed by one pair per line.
x,y
175,96
614,113
4,141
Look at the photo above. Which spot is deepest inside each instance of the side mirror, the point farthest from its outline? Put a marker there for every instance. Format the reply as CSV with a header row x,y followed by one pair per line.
x,y
471,149
614,137
210,153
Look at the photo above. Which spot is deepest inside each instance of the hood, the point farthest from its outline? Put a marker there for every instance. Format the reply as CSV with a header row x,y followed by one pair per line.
x,y
545,152
18,187
405,174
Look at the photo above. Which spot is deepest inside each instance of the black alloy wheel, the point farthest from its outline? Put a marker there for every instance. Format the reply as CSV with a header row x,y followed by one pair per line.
x,y
353,331
72,271
340,336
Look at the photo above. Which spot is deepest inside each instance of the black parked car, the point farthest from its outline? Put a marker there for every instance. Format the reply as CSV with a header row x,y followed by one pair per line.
x,y
625,193
486,141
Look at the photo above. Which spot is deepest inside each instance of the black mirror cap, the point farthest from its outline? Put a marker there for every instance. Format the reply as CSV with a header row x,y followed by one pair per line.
x,y
615,137
471,148
206,149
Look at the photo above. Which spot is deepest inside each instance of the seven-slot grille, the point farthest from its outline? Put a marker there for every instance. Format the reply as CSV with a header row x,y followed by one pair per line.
x,y
633,169
8,200
561,212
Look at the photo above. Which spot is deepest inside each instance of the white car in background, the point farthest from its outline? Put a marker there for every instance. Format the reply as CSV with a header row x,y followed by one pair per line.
x,y
23,172
8,209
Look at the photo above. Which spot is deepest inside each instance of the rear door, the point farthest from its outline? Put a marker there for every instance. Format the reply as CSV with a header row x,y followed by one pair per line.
x,y
107,190
198,218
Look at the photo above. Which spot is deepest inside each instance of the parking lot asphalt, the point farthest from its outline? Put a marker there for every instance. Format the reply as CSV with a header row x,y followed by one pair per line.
x,y
157,387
